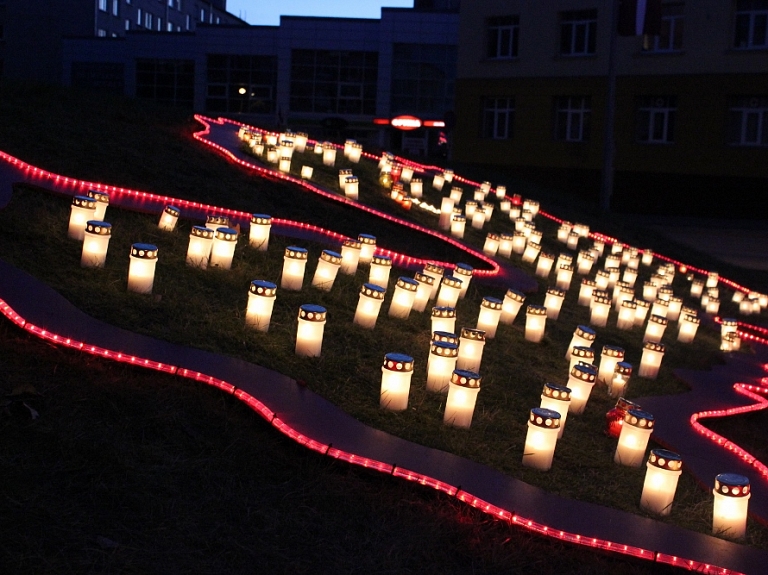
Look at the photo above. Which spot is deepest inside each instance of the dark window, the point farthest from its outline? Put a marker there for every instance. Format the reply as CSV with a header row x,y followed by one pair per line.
x,y
748,121
167,81
241,83
423,77
572,114
578,32
751,24
656,119
503,37
498,118
670,38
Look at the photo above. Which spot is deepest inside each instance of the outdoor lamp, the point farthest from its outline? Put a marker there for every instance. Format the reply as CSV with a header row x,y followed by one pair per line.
x,y
329,154
82,210
446,213
462,396
572,242
294,264
403,298
450,289
95,244
441,364
641,311
102,201
141,270
581,354
350,255
200,244
729,516
655,328
544,264
626,319
417,187
380,269
367,248
328,265
663,469
532,250
609,358
213,222
309,334
583,336
501,192
223,248
688,325
618,385
650,361
488,318
557,398
169,218
553,301
437,182
519,241
261,300
585,292
535,322
633,439
505,245
343,175
541,439
396,376
369,305
422,291
458,223
513,301
564,276
581,380
601,306
471,344
443,319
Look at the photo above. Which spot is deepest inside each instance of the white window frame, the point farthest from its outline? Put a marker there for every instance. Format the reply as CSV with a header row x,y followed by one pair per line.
x,y
574,23
662,112
115,7
148,20
507,38
671,23
744,111
573,113
756,14
498,118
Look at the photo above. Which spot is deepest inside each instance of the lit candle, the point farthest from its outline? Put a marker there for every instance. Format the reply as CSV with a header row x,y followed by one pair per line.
x,y
350,256
458,224
272,155
369,305
513,301
285,150
585,292
441,364
731,341
223,248
622,292
697,287
396,376
491,245
621,375
582,336
406,175
663,469
102,202
519,241
284,165
367,248
609,357
446,213
541,439
553,301
573,241
448,175
462,396
626,319
613,276
443,319
650,361
213,222
563,231
95,244
380,269
450,289
659,308
309,334
505,245
318,149
713,306
351,187
557,398
584,263
647,258
688,326
347,147
82,210
261,300
581,354
532,250
327,267
329,154
478,218
602,279
728,325
471,344
300,142
488,318
655,328
544,264
712,279
422,291
581,380
437,182
417,187
356,152
633,439
729,515
436,273
141,270
403,298
535,322
564,275
294,264
601,306
169,218
641,311
200,243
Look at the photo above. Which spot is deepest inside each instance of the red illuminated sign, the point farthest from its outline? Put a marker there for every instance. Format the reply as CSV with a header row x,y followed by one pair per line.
x,y
406,123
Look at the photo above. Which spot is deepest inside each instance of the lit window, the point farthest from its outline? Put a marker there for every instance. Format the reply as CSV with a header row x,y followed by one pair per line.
x,y
503,36
101,33
115,7
170,27
751,24
159,24
572,115
148,21
578,31
670,38
498,118
748,121
138,19
189,22
104,5
127,24
202,14
656,119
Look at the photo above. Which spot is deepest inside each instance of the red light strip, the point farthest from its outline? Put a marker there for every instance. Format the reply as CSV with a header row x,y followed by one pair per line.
x,y
745,335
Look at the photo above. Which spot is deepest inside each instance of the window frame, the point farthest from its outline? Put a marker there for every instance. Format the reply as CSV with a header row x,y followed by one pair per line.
x,y
672,27
571,21
496,26
570,108
754,10
661,114
746,107
498,118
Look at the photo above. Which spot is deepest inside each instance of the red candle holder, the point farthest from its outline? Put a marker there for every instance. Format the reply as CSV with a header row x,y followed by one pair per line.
x,y
614,419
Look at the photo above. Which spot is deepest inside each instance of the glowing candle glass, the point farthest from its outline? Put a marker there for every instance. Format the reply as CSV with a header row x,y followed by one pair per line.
x,y
309,333
541,439
557,398
200,243
553,301
584,262
435,272
169,218
621,376
581,354
663,469
223,248
458,224
464,273
441,364
532,250
688,326
544,264
581,380
367,248
488,318
626,319
261,300
505,245
564,276
519,241
141,270
471,344
422,291
396,376
95,244
369,305
650,361
491,245
82,210
403,297
655,328
601,307
513,301
450,289
535,322
381,266
641,311
633,439
102,202
729,515
350,255
327,268
585,292
329,154
462,396
446,213
609,357
216,222
443,319
351,187
294,264
437,182
582,336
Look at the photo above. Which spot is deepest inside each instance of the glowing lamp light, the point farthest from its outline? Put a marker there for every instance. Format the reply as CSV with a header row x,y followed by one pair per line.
x,y
674,308
470,207
348,146
626,319
553,301
633,439
585,292
462,397
272,155
581,354
329,154
713,306
584,262
396,374
351,187
688,326
200,244
223,248
446,213
505,245
284,164
438,181
583,336
655,328
95,244
423,291
489,316
443,319
488,211
309,333
520,224
417,187
258,232
650,361
169,218
510,307
572,242
271,139
369,305
613,276
712,279
213,222
441,364
663,470
738,296
343,175
455,195
367,248
745,306
617,387
532,233
327,268
544,264
609,358
601,307
406,175
318,149
261,300
614,419
380,269
541,439
581,380
564,276
729,516
355,153
478,218
647,258
532,250
448,175
730,341
602,279
697,287
285,151
728,325
141,270
501,192
458,225
403,297
557,398
535,322
300,142
464,273
563,231
102,202
641,311
471,344
660,308
82,210
519,241
294,264
435,272
450,290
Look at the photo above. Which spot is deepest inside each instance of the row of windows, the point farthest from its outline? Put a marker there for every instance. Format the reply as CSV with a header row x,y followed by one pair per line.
x,y
578,31
747,123
149,21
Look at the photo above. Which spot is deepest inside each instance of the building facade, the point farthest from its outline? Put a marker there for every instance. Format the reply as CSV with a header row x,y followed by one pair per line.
x,y
691,115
